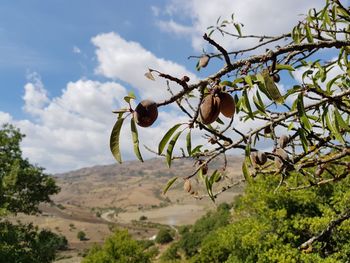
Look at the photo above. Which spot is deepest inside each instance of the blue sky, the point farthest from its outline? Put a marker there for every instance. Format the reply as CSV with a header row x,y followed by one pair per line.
x,y
64,65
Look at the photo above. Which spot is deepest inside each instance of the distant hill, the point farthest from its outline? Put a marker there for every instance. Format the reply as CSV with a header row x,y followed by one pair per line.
x,y
131,184
91,199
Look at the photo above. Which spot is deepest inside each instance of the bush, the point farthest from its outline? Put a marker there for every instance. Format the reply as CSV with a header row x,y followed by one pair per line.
x,y
81,235
120,247
171,254
25,243
143,218
163,236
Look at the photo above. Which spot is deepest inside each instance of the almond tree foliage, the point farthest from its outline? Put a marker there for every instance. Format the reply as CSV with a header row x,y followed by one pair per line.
x,y
22,187
306,123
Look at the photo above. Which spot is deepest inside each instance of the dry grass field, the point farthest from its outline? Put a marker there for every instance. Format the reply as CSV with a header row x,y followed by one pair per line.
x,y
96,199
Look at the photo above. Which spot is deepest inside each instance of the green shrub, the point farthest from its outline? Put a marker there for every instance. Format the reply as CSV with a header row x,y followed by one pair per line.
x,y
164,236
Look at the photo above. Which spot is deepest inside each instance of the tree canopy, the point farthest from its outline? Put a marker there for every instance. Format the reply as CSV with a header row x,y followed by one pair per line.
x,y
304,120
283,103
23,187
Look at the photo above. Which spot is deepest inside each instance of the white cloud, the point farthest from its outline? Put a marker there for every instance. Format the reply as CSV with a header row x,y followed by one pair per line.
x,y
72,130
5,118
172,27
128,61
35,96
76,50
259,17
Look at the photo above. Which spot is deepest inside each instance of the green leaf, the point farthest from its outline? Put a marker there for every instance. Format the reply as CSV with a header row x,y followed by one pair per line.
x,y
169,184
261,85
247,104
258,102
167,137
238,28
333,130
114,140
249,81
131,96
308,33
135,139
188,142
196,149
218,120
121,111
302,114
226,83
245,170
283,66
339,121
303,139
209,187
170,149
272,88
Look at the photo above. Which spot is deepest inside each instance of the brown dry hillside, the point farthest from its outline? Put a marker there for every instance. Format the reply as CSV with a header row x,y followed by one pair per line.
x,y
92,199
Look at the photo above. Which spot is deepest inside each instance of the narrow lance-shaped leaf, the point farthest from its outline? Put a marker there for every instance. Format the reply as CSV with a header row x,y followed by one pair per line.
x,y
167,137
303,139
114,140
238,28
337,128
261,85
258,103
170,149
209,188
169,184
245,170
308,33
340,121
135,139
188,142
283,66
302,114
247,104
249,80
272,88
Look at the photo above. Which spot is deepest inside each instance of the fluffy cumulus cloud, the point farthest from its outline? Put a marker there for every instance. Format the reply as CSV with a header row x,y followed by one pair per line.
x,y
128,61
268,17
72,130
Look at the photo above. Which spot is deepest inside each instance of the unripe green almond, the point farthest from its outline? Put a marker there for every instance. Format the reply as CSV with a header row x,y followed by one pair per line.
x,y
227,105
146,113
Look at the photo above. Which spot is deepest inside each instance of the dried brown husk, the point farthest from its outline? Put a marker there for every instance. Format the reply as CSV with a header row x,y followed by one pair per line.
x,y
210,109
146,113
227,105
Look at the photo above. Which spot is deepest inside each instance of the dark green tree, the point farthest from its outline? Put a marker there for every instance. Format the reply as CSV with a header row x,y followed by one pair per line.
x,y
23,187
164,236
